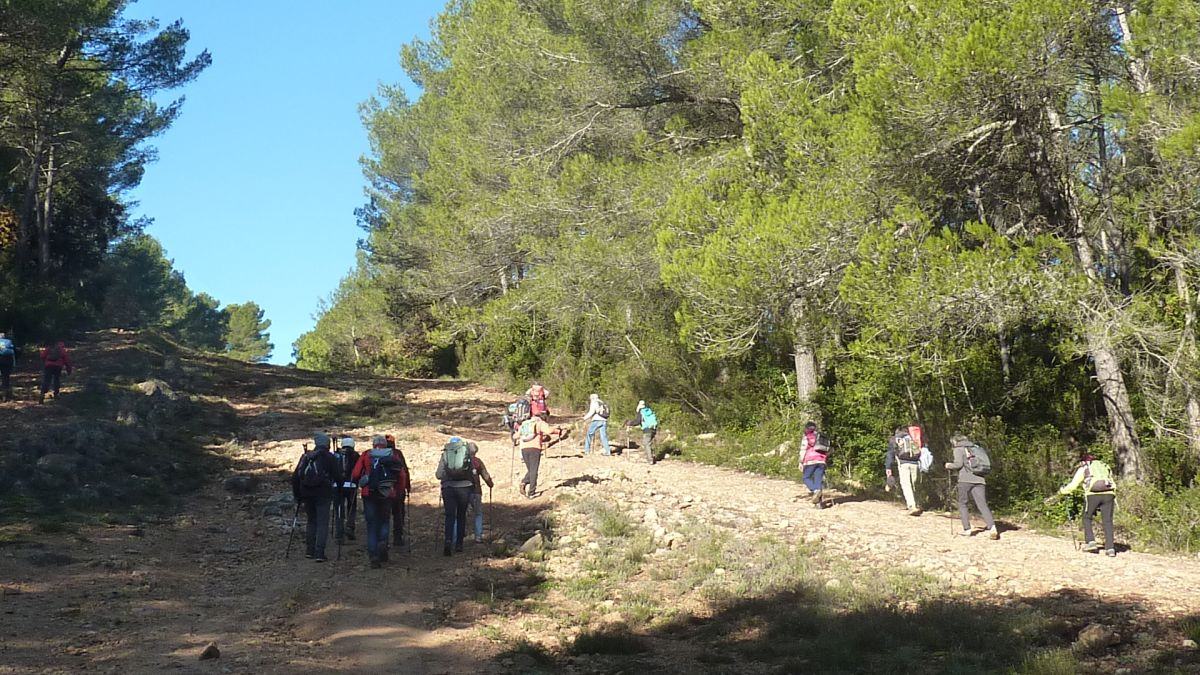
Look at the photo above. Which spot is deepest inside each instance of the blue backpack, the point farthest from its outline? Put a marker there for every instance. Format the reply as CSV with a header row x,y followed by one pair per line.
x,y
6,347
649,419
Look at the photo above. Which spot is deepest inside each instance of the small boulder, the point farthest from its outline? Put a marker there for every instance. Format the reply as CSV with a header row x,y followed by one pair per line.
x,y
156,387
706,437
210,651
1095,636
535,543
242,483
1188,643
444,429
783,449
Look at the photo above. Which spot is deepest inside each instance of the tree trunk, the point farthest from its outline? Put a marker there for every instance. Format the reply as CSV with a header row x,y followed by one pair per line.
x,y
1121,425
1192,404
46,219
1005,356
804,357
1137,67
29,205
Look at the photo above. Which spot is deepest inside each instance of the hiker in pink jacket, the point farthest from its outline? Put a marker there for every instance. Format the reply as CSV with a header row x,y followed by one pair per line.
x,y
814,453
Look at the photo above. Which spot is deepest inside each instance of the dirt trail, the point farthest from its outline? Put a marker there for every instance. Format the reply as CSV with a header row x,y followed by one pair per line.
x,y
147,598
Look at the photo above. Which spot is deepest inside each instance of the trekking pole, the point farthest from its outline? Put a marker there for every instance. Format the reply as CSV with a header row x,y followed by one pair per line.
x,y
340,510
292,533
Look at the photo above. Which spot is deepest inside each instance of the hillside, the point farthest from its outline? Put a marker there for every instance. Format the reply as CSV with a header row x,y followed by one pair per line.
x,y
672,567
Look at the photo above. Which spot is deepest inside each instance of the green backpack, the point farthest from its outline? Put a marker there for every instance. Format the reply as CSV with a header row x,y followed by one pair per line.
x,y
457,460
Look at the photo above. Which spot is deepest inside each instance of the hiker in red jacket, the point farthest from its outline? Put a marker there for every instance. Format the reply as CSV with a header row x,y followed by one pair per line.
x,y
378,473
54,359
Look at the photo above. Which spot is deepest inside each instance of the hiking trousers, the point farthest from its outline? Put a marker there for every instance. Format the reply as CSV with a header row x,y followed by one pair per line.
x,y
51,379
908,482
456,500
648,443
814,477
347,512
978,492
533,459
6,370
1104,504
377,513
316,527
594,426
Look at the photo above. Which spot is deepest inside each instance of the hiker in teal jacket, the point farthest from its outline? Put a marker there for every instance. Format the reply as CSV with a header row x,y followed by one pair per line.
x,y
1100,493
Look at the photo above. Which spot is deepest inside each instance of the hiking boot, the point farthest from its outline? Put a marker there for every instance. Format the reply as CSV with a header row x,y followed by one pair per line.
x,y
915,511
1111,552
523,486
375,564
398,541
458,548
1090,547
308,555
966,533
41,399
817,497
478,540
994,534
319,559
350,536
446,550
383,555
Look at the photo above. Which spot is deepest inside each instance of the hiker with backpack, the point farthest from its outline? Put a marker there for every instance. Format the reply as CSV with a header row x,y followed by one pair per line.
x,y
400,504
537,395
8,363
973,464
479,476
596,420
347,491
518,411
456,472
313,484
532,436
377,475
814,456
904,451
54,359
647,421
1100,494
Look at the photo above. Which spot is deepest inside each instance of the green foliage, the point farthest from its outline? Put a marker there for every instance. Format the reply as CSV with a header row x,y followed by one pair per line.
x,y
247,338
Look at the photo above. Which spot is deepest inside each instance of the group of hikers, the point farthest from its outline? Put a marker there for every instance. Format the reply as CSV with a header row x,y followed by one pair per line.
x,y
908,457
527,422
328,484
55,359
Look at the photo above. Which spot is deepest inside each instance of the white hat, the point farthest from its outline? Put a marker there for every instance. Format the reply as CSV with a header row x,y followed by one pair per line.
x,y
347,442
641,404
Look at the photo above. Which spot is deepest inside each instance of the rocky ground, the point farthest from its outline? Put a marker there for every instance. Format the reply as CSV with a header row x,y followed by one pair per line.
x,y
617,567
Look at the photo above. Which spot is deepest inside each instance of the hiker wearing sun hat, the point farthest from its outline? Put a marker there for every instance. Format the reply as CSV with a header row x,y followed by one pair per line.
x,y
648,421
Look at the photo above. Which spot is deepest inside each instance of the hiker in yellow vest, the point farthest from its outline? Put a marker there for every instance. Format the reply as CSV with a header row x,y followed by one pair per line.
x,y
1100,492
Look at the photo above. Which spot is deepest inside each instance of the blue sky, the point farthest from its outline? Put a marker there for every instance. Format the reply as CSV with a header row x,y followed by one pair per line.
x,y
254,191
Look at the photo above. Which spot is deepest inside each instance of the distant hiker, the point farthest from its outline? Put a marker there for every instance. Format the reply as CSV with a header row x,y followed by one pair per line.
x,y
1100,493
313,484
456,472
537,395
400,503
479,476
972,463
54,359
532,436
8,363
596,420
377,474
814,455
904,451
347,492
647,421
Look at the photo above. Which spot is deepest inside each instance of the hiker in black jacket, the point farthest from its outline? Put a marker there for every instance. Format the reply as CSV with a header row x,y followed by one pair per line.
x,y
347,491
314,484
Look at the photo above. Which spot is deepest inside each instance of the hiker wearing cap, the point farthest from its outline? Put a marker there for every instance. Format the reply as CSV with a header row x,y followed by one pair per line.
x,y
596,420
480,476
400,503
532,437
54,359
455,471
347,492
313,484
8,363
971,483
814,455
647,421
1100,494
377,475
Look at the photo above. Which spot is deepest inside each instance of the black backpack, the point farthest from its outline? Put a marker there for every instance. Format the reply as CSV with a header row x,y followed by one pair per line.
x,y
381,481
313,473
605,411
